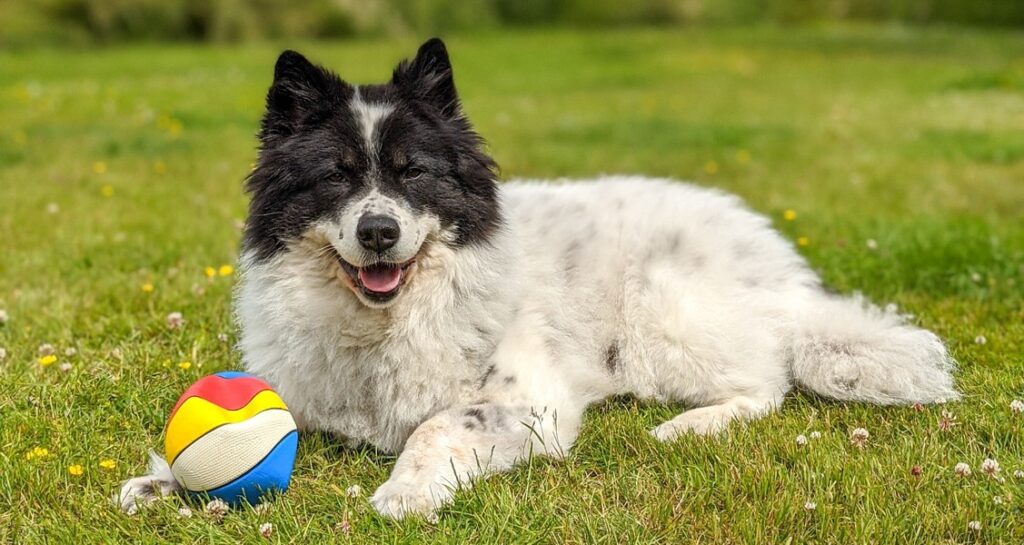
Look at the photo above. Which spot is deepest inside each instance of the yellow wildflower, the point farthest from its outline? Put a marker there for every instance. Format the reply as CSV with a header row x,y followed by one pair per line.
x,y
108,464
711,167
210,272
159,167
743,156
148,287
75,470
789,215
48,360
99,167
803,241
37,452
225,270
185,365
107,191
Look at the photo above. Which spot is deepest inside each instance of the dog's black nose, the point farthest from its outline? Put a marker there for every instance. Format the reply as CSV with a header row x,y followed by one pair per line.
x,y
377,233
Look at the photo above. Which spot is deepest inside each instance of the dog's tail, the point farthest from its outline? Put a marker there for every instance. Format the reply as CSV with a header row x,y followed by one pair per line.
x,y
848,349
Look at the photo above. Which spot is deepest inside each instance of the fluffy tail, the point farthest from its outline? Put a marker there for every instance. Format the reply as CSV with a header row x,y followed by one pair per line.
x,y
849,349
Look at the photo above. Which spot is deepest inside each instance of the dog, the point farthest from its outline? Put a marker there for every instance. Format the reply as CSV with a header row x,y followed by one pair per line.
x,y
396,294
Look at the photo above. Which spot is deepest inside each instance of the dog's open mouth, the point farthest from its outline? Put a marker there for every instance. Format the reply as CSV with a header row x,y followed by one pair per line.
x,y
380,281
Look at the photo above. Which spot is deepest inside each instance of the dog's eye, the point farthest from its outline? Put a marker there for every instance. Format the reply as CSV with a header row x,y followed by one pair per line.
x,y
412,173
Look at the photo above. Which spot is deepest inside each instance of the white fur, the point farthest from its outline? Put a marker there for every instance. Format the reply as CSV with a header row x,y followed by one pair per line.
x,y
369,115
653,288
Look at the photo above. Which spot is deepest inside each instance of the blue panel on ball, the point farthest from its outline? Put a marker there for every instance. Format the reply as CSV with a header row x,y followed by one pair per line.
x,y
233,374
269,476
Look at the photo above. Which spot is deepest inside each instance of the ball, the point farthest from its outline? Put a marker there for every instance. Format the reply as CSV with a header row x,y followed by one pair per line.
x,y
230,436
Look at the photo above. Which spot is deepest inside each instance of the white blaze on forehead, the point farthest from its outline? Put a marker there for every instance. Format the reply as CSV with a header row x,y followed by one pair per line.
x,y
369,116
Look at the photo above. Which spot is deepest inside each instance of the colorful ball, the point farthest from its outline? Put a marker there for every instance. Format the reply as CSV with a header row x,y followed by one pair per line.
x,y
230,436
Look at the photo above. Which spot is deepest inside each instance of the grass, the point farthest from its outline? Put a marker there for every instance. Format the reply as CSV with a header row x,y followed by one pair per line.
x,y
122,167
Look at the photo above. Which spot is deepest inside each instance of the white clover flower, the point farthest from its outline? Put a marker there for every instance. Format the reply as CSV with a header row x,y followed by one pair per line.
x,y
184,512
47,349
222,337
1017,406
217,508
354,491
1019,474
859,437
980,339
990,467
872,244
998,500
266,529
3,353
52,208
3,316
175,320
70,351
815,435
65,367
962,469
974,525
801,440
810,506
975,277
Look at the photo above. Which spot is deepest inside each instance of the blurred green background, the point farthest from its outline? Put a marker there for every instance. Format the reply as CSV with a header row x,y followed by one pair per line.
x,y
26,23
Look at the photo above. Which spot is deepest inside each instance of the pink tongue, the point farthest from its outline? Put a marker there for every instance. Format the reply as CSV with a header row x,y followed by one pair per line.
x,y
380,279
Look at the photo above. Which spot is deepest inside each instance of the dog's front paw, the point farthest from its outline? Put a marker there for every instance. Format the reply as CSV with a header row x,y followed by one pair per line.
x,y
398,499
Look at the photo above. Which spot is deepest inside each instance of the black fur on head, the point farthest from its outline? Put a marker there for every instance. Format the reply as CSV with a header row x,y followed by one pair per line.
x,y
314,156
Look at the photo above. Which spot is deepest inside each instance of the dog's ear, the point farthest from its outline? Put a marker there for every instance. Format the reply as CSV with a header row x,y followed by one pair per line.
x,y
428,77
300,89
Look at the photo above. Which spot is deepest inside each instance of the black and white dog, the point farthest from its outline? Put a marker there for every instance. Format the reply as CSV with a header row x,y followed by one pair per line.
x,y
396,294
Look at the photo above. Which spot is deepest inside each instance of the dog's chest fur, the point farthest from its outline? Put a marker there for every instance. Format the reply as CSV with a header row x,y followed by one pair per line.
x,y
371,375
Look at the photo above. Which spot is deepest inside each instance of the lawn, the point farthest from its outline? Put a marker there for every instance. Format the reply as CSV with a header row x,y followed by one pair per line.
x,y
900,151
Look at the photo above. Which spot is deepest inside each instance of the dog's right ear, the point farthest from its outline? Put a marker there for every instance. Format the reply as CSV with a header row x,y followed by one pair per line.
x,y
300,89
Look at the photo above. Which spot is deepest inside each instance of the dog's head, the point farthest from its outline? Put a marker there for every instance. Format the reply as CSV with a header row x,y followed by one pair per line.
x,y
373,173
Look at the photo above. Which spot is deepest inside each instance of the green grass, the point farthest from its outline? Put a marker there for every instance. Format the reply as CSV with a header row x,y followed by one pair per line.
x,y
911,138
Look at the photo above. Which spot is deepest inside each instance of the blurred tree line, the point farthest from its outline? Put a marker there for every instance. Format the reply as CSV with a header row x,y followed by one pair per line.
x,y
79,22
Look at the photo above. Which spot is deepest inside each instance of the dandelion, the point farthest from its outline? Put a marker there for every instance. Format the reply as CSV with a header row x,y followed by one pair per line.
x,y
108,464
47,361
99,167
815,435
859,437
974,526
107,191
789,215
217,509
185,365
47,349
225,270
801,440
990,467
3,316
1017,406
810,506
711,167
266,529
37,452
947,421
65,367
210,272
872,244
76,470
354,491
148,287
175,320
52,209
803,241
962,469
980,339
184,512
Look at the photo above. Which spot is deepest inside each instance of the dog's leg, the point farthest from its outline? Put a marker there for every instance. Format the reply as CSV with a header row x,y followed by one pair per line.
x,y
451,449
140,491
714,418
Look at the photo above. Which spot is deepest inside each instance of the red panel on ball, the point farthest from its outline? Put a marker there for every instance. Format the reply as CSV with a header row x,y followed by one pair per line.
x,y
229,393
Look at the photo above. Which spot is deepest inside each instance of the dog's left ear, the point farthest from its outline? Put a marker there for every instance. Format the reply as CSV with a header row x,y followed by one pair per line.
x,y
428,77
